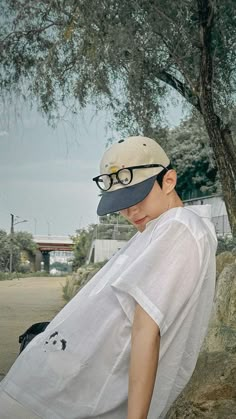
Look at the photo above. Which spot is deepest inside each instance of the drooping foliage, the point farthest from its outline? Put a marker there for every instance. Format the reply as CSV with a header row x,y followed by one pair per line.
x,y
126,56
128,52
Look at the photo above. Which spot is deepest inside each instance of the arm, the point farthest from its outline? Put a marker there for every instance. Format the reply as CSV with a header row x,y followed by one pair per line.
x,y
145,343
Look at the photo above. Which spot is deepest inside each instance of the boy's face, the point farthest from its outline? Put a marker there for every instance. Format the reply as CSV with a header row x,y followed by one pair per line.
x,y
156,203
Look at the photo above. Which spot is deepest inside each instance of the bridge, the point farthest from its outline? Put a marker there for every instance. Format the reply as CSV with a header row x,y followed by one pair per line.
x,y
47,244
53,243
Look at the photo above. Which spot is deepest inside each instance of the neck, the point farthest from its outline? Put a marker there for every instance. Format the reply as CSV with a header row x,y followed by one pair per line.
x,y
175,201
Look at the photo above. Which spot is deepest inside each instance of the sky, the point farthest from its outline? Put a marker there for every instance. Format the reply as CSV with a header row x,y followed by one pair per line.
x,y
45,173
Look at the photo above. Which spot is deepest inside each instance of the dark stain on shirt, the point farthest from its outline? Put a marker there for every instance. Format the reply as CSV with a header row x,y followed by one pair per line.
x,y
63,344
53,335
54,342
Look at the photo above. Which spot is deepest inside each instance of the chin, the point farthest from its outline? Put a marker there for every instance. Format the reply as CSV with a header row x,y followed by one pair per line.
x,y
141,228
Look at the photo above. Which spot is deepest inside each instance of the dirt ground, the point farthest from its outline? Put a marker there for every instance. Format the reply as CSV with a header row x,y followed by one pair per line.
x,y
23,302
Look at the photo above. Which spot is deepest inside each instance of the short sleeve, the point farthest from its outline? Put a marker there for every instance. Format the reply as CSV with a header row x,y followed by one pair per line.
x,y
163,277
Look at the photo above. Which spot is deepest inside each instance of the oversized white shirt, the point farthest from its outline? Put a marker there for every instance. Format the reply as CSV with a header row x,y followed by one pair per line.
x,y
78,367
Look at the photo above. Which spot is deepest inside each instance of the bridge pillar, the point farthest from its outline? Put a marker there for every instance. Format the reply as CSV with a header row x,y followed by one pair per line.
x,y
46,260
37,261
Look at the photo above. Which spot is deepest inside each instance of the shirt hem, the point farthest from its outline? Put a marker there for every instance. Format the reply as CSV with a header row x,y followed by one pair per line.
x,y
32,403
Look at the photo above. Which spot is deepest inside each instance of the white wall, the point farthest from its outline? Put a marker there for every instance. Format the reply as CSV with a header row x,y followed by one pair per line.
x,y
104,249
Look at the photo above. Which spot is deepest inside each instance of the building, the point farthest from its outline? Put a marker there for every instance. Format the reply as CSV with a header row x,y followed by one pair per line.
x,y
107,240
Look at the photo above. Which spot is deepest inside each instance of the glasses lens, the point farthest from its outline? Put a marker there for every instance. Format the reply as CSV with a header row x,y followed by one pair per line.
x,y
125,176
104,182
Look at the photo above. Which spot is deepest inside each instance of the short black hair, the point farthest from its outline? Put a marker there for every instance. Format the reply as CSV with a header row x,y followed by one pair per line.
x,y
161,175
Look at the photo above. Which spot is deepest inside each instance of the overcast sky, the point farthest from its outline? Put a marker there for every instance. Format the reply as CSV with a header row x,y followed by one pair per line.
x,y
45,173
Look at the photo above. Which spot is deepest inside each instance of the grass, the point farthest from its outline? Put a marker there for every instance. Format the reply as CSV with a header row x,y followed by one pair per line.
x,y
17,275
70,289
78,279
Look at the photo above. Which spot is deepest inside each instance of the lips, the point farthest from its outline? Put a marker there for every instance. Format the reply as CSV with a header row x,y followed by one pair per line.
x,y
140,221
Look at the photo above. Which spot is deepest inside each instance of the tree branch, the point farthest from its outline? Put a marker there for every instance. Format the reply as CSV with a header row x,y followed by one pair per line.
x,y
163,14
212,13
173,54
181,88
25,33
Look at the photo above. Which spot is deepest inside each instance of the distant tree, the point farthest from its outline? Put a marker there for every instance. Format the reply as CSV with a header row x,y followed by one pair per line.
x,y
21,241
114,218
4,251
81,244
125,56
193,158
24,241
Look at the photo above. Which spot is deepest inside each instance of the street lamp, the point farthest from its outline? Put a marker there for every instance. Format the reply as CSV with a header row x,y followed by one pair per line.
x,y
35,226
13,223
48,223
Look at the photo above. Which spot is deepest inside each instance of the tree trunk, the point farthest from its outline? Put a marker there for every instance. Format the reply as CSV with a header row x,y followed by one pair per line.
x,y
219,135
225,163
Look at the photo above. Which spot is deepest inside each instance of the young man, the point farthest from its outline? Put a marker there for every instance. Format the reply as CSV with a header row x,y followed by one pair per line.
x,y
128,342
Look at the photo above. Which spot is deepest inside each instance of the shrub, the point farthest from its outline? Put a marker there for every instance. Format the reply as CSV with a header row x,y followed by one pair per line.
x,y
70,289
75,282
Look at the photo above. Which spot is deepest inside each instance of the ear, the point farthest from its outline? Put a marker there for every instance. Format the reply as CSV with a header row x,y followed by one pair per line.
x,y
169,181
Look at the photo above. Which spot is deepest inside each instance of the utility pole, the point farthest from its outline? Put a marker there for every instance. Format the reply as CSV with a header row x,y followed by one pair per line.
x,y
48,223
11,241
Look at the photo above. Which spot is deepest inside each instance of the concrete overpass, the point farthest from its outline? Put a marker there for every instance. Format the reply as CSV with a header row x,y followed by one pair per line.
x,y
47,244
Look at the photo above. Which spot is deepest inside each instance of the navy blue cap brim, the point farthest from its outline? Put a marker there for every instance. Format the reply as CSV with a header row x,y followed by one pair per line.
x,y
125,197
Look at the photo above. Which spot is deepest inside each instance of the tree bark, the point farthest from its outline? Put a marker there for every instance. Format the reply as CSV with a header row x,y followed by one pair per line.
x,y
224,160
219,135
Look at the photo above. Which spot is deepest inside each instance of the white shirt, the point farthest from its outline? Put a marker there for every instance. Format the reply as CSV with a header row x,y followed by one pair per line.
x,y
78,367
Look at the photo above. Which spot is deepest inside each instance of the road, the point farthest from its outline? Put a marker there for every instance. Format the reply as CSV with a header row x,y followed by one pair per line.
x,y
23,302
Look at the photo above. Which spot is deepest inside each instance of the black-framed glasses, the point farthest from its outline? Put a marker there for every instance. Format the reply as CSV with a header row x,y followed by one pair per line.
x,y
123,176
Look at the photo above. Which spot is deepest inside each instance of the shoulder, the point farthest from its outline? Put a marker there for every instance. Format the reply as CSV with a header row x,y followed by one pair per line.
x,y
183,219
181,226
172,221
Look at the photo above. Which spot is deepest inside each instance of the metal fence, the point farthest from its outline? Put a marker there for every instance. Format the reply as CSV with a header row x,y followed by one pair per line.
x,y
222,225
113,232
